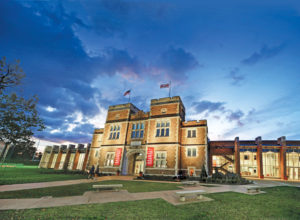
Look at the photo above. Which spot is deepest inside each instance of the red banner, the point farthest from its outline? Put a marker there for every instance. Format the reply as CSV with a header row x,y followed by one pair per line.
x,y
118,156
150,157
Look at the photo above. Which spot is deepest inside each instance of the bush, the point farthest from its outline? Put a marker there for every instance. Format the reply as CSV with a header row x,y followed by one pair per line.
x,y
229,178
24,162
161,178
52,171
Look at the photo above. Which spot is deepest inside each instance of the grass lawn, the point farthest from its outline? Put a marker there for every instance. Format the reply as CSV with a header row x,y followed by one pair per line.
x,y
277,203
79,189
31,174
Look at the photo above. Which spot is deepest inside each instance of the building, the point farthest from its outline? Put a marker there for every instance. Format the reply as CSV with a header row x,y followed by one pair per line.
x,y
161,142
158,142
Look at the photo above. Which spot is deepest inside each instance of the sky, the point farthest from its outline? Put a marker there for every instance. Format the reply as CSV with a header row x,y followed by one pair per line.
x,y
234,63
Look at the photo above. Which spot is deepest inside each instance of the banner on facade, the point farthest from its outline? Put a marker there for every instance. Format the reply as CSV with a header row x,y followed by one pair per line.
x,y
118,156
150,157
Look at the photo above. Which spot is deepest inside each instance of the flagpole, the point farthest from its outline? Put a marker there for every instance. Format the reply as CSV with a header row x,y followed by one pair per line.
x,y
170,90
129,96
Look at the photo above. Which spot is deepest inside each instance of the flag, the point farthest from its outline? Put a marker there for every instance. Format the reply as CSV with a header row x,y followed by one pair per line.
x,y
166,85
127,92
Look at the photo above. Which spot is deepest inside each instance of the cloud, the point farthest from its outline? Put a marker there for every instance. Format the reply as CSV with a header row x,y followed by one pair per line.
x,y
236,116
236,77
176,63
208,106
264,53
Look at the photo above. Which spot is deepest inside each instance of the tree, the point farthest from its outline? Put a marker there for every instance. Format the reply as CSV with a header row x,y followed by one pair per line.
x,y
10,74
18,116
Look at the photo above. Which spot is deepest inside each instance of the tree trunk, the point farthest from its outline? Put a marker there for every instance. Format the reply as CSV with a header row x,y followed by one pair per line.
x,y
4,152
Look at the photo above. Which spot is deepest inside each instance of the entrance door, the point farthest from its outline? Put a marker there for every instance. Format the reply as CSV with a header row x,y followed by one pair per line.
x,y
293,173
139,167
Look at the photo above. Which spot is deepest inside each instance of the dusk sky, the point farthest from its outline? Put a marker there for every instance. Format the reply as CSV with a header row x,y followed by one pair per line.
x,y
234,63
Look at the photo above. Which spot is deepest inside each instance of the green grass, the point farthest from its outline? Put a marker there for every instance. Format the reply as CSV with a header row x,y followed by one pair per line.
x,y
31,174
79,189
277,203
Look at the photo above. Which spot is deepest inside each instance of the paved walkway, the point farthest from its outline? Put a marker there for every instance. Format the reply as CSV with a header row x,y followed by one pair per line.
x,y
15,187
92,197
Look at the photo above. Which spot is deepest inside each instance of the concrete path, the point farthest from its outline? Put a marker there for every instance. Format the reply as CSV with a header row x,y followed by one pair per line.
x,y
15,187
92,197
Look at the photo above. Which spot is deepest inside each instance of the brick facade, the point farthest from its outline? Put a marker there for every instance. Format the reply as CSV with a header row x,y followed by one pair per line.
x,y
163,130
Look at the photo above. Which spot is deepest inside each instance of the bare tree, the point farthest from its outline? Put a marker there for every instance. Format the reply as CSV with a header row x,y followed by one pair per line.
x,y
10,74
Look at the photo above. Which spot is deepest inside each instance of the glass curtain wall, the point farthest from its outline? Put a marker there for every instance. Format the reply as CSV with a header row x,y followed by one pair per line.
x,y
271,162
293,164
80,161
71,161
62,161
53,161
223,163
45,160
248,162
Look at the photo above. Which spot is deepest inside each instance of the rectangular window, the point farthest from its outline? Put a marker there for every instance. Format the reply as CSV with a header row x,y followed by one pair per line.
x,y
133,134
160,159
246,157
109,160
167,132
194,133
114,132
194,152
191,133
157,132
191,152
162,129
162,132
137,130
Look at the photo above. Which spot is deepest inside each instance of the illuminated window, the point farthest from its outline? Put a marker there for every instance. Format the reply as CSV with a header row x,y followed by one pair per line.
x,y
109,159
162,129
114,132
160,159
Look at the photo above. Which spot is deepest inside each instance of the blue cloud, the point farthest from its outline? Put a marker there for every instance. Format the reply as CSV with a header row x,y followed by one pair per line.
x,y
177,62
208,106
264,53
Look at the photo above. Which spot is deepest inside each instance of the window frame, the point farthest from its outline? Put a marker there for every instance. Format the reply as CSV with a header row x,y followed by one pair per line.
x,y
162,128
160,160
137,130
192,150
114,132
109,162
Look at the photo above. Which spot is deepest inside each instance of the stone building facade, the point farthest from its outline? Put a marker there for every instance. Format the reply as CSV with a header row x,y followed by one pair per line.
x,y
161,142
158,142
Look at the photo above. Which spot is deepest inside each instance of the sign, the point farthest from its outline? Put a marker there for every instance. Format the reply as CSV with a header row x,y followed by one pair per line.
x,y
150,157
135,143
118,156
